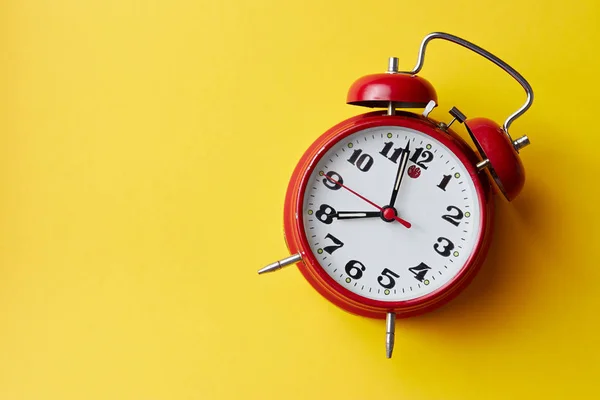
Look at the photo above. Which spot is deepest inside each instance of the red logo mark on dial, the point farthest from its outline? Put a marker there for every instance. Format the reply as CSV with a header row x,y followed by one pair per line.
x,y
414,171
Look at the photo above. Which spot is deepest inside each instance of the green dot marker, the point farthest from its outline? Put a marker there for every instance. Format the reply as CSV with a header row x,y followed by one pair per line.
x,y
426,281
457,175
348,280
455,254
350,145
321,173
320,251
389,135
310,212
467,214
386,291
428,147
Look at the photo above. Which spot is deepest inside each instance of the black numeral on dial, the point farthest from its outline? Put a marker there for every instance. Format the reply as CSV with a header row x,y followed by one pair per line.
x,y
387,275
444,250
355,269
333,185
444,182
455,218
427,157
337,243
325,214
395,154
420,271
363,162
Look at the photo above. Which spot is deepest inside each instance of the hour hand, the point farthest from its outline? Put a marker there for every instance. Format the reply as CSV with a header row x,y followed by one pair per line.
x,y
357,214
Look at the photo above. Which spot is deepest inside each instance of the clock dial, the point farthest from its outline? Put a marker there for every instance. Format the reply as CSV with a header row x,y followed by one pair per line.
x,y
391,214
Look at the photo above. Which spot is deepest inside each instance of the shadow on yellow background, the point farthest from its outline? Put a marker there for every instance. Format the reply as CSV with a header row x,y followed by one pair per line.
x,y
145,149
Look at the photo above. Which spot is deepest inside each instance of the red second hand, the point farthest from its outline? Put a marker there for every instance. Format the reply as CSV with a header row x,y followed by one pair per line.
x,y
403,222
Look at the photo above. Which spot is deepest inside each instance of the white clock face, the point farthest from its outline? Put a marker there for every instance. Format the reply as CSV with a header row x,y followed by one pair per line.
x,y
370,252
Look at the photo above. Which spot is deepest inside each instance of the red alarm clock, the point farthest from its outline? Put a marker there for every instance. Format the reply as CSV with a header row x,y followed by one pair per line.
x,y
390,213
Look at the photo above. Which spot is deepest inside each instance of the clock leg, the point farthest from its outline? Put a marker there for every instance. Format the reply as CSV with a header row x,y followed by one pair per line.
x,y
390,331
280,264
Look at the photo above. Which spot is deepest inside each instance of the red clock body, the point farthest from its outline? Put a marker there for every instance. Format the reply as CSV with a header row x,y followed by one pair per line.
x,y
314,270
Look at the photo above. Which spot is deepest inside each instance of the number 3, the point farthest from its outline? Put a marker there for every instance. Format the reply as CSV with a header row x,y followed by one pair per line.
x,y
447,248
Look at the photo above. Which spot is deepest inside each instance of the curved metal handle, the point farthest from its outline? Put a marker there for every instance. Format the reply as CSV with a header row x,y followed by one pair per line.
x,y
484,53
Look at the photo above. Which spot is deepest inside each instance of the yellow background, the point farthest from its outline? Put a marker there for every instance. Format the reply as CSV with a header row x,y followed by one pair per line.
x,y
145,149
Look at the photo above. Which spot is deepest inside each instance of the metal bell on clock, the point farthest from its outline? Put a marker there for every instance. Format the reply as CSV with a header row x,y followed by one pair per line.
x,y
500,155
391,90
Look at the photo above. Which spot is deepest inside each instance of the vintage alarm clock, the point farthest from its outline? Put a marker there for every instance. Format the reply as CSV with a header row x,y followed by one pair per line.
x,y
389,213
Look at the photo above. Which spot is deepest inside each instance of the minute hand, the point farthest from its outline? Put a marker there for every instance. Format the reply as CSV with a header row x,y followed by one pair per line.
x,y
400,173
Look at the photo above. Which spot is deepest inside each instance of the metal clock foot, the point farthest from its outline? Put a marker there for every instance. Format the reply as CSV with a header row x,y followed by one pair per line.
x,y
280,264
390,331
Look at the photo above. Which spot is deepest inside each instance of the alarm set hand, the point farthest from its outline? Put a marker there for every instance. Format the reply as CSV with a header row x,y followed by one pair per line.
x,y
387,213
